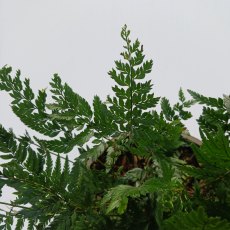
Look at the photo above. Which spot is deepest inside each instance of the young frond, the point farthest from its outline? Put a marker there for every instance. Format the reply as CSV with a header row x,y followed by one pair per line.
x,y
132,97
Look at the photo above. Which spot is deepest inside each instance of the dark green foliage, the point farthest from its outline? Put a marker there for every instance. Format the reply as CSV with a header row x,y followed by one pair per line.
x,y
178,110
132,171
195,220
25,106
215,113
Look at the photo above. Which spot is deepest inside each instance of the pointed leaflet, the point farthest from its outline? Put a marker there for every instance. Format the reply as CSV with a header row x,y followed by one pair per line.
x,y
178,111
67,143
167,110
181,95
7,141
210,101
65,173
103,119
34,162
29,110
56,174
21,153
49,165
214,115
41,100
181,106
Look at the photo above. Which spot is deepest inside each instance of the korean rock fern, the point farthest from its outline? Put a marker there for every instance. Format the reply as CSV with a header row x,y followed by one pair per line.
x,y
135,167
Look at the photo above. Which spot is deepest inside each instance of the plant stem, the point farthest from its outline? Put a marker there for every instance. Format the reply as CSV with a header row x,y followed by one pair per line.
x,y
13,205
131,85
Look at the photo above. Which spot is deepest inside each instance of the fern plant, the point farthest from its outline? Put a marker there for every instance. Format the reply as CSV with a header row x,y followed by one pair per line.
x,y
132,170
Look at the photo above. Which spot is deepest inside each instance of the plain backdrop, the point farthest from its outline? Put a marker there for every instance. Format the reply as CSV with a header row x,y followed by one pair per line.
x,y
188,40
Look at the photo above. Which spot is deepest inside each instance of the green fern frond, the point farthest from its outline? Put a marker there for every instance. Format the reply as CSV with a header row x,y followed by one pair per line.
x,y
19,224
117,198
65,173
34,162
179,110
214,113
131,96
209,101
29,109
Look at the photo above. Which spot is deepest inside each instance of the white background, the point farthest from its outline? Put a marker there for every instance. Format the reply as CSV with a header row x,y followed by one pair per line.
x,y
188,40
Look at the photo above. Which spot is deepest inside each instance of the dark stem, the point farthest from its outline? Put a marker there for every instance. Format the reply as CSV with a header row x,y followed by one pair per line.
x,y
14,205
